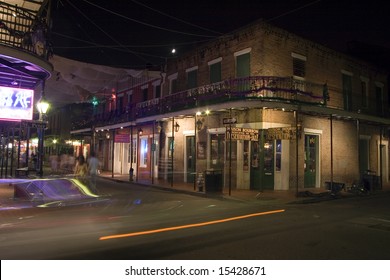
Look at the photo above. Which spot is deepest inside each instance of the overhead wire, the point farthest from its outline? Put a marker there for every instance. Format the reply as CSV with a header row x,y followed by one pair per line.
x,y
148,24
175,18
294,10
124,48
94,45
108,35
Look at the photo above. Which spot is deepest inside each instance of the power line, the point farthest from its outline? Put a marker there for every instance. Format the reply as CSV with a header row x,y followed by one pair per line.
x,y
147,24
98,46
125,48
95,45
175,18
136,54
294,10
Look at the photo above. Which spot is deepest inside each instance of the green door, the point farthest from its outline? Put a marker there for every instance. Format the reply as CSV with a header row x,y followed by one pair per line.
x,y
268,167
262,164
190,154
311,160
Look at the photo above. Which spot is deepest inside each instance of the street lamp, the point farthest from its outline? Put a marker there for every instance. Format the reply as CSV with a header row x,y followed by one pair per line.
x,y
42,106
177,127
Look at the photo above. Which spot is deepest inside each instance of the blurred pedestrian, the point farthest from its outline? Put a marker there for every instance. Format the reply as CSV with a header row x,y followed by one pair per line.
x,y
81,168
24,159
34,159
93,167
54,163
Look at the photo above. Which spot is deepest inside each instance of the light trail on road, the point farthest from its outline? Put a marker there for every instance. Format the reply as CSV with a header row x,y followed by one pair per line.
x,y
131,234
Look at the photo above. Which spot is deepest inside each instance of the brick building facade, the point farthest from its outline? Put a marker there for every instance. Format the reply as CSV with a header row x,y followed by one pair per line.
x,y
260,108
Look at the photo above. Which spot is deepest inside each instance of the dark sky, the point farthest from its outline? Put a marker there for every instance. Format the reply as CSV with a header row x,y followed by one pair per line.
x,y
133,34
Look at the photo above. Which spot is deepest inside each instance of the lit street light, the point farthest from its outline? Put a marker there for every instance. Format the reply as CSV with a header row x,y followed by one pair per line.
x,y
42,106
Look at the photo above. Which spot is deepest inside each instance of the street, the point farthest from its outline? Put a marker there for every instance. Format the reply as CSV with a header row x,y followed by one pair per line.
x,y
139,222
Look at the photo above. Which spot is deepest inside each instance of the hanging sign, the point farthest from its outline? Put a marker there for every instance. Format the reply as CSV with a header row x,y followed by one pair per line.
x,y
240,133
122,138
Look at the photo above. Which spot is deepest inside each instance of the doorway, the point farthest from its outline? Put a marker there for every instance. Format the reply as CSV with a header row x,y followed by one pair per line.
x,y
262,164
190,159
311,160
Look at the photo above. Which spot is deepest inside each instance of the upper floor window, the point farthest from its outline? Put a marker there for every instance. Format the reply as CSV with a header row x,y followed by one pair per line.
x,y
364,91
144,93
120,102
172,83
299,65
192,77
157,89
215,70
243,59
379,98
347,89
129,97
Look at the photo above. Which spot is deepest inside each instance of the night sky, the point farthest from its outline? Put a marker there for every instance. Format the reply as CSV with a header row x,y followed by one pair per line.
x,y
134,34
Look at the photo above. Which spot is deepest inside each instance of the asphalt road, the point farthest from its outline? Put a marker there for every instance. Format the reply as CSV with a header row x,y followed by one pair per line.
x,y
137,222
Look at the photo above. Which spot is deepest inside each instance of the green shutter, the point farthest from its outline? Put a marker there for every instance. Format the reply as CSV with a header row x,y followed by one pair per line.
x,y
243,65
215,73
192,79
347,92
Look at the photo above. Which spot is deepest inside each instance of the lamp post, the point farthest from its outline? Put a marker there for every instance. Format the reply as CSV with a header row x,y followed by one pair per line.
x,y
42,106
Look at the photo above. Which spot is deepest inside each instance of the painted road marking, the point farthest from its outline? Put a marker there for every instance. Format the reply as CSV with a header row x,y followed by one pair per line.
x,y
131,234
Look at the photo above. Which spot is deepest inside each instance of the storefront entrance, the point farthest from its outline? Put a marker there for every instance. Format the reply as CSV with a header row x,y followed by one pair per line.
x,y
311,160
190,156
262,164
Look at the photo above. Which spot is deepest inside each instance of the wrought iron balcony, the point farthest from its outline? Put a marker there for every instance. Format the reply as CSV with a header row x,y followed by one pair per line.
x,y
24,49
24,28
280,89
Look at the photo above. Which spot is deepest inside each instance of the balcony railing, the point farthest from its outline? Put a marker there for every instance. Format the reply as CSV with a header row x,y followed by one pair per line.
x,y
255,88
249,88
23,29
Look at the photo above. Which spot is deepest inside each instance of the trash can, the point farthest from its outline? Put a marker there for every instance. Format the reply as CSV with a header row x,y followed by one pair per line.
x,y
372,181
213,180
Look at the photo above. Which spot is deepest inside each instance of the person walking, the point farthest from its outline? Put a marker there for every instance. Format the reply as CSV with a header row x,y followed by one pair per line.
x,y
81,168
34,160
93,167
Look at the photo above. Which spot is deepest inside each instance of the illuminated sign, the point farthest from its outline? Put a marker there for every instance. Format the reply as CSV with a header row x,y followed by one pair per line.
x,y
282,133
240,133
16,103
122,138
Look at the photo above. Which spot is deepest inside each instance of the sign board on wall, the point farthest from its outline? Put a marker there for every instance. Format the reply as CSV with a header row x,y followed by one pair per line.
x,y
16,103
122,138
282,133
240,133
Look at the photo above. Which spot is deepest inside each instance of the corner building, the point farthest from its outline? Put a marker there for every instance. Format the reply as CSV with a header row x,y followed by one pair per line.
x,y
262,109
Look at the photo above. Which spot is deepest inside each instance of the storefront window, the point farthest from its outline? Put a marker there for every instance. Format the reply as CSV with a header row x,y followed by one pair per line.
x,y
217,150
278,156
132,158
268,157
143,152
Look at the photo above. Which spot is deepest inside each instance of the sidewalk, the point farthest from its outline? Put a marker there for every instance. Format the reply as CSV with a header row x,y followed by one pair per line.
x,y
299,196
266,196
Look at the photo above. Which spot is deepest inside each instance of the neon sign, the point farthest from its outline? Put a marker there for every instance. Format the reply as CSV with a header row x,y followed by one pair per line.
x,y
16,103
